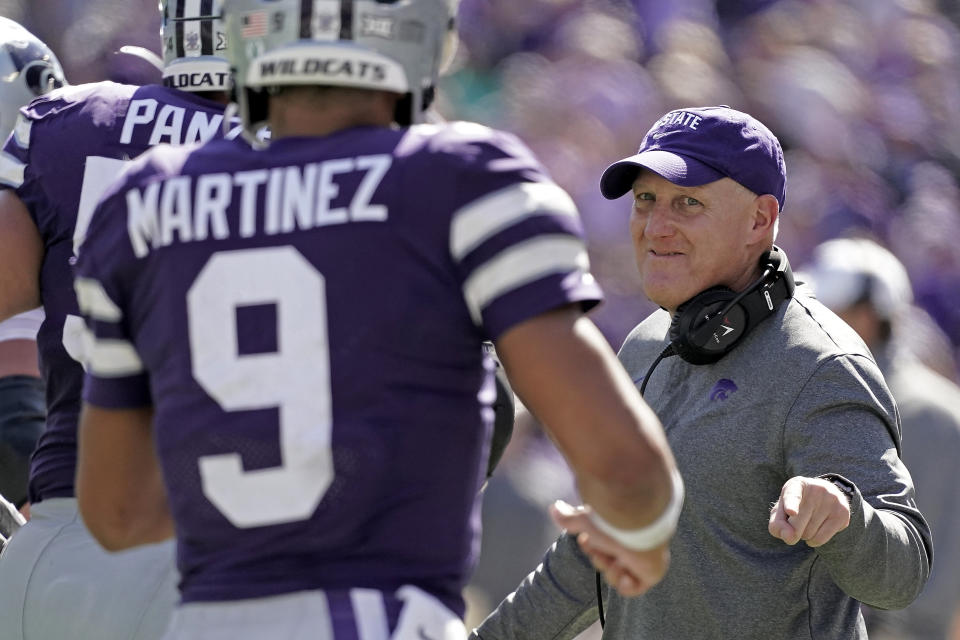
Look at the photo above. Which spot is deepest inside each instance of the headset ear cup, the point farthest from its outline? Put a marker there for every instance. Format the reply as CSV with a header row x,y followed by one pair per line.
x,y
690,317
709,325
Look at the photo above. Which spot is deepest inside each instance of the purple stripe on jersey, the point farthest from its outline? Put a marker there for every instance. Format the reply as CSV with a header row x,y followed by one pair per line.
x,y
207,34
306,18
567,288
179,29
342,615
346,19
136,392
544,222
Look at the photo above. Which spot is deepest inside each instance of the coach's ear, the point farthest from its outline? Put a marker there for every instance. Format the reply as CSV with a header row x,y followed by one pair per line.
x,y
766,211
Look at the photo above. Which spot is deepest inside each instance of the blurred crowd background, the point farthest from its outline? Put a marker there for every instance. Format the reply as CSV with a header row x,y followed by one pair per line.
x,y
863,94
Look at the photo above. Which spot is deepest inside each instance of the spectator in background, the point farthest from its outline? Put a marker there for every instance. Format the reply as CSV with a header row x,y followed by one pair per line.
x,y
867,286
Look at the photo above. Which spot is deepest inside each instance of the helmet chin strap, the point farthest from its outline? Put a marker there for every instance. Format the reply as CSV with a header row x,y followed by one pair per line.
x,y
144,54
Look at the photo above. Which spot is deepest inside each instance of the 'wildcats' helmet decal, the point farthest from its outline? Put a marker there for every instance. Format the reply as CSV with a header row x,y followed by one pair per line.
x,y
28,68
194,45
397,46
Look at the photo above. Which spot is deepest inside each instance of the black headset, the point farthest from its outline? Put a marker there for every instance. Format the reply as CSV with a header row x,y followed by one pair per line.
x,y
709,325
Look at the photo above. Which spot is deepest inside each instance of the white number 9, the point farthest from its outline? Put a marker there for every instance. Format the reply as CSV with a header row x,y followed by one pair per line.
x,y
296,379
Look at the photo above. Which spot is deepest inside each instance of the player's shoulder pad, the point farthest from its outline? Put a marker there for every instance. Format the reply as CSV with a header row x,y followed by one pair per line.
x,y
469,145
99,100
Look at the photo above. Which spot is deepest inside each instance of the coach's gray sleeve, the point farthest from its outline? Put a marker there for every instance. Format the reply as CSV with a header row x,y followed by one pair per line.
x,y
844,421
557,601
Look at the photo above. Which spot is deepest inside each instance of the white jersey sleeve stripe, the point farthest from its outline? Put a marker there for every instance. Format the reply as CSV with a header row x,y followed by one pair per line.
x,y
482,218
521,264
370,613
95,302
113,358
23,326
11,170
21,131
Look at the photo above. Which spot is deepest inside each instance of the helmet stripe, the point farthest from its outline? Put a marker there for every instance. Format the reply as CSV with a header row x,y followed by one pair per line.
x,y
346,19
306,19
206,28
178,35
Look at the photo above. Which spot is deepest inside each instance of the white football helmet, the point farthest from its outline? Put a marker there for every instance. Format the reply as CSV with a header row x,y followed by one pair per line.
x,y
846,271
28,68
390,45
194,46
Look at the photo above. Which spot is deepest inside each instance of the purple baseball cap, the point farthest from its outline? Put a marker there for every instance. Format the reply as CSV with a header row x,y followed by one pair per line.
x,y
691,147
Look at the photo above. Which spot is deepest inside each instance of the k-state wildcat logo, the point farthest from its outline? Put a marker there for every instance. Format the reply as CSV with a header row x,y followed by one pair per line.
x,y
722,390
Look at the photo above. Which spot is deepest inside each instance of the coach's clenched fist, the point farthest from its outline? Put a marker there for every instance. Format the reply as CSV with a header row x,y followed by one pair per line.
x,y
810,509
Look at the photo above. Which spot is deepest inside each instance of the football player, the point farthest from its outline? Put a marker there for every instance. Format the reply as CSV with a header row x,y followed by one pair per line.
x,y
28,68
65,149
286,364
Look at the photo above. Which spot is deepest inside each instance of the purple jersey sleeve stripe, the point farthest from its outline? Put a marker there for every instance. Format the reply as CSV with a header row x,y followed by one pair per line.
x,y
11,170
550,292
118,393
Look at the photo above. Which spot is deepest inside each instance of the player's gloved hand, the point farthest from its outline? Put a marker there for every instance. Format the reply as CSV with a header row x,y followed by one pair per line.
x,y
629,571
810,509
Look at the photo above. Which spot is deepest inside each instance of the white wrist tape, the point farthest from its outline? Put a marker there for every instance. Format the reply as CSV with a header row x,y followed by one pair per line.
x,y
654,534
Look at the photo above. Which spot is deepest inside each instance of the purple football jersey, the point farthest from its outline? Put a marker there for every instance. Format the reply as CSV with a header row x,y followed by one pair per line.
x,y
66,149
307,321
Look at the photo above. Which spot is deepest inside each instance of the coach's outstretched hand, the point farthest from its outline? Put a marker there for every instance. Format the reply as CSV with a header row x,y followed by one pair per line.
x,y
810,509
628,571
